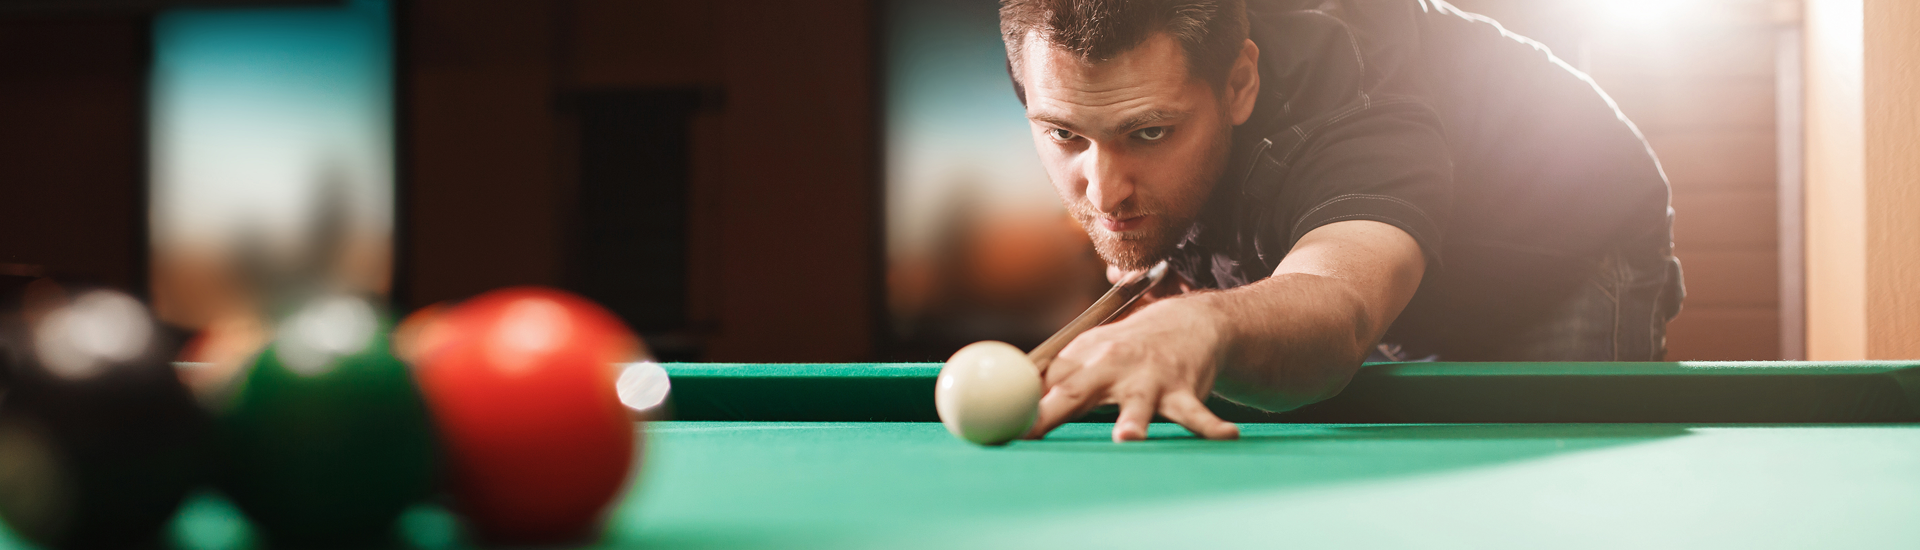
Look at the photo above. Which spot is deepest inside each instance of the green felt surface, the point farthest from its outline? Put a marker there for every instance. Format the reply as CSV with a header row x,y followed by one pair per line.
x,y
1701,392
910,485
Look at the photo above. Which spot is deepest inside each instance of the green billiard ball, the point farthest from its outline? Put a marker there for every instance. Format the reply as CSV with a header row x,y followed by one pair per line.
x,y
325,441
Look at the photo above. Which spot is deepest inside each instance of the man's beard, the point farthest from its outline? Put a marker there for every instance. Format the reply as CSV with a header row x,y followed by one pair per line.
x,y
1167,226
1143,247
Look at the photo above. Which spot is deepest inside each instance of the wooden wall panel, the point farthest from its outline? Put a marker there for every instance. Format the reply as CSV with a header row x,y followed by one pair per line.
x,y
72,117
1724,220
801,192
784,189
1748,279
1715,159
482,199
1892,88
1728,333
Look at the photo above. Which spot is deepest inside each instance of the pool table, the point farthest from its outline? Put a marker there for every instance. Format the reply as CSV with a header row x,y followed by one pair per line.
x,y
1411,455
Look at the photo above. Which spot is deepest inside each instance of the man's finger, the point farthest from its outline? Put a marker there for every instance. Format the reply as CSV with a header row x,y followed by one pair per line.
x,y
1135,414
1184,408
1061,404
1062,368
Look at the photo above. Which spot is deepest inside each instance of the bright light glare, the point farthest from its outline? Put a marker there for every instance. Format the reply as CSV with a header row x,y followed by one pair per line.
x,y
643,385
100,328
327,328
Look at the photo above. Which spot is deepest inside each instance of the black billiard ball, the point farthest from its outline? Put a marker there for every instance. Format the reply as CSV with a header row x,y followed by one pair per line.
x,y
324,440
99,440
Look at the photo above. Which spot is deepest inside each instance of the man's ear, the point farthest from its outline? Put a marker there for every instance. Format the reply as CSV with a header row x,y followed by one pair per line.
x,y
1243,84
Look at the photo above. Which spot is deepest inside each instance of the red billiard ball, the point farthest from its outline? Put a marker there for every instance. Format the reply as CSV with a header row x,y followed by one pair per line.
x,y
522,386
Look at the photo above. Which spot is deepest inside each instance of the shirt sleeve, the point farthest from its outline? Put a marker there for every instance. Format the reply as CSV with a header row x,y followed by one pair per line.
x,y
1384,161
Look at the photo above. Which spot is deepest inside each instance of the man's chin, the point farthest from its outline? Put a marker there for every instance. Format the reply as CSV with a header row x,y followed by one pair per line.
x,y
1132,254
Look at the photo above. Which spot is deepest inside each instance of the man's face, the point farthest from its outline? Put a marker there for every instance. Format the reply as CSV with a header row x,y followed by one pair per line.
x,y
1133,144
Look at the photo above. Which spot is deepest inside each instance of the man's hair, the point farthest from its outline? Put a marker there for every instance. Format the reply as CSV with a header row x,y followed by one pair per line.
x,y
1209,31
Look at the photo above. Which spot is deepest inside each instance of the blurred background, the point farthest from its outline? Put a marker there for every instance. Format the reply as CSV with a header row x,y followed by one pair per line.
x,y
831,180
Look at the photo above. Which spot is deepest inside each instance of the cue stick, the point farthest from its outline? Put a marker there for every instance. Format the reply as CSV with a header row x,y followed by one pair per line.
x,y
1116,300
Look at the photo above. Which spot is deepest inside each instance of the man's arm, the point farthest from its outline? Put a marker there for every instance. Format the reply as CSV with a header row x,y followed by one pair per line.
x,y
1304,331
1285,341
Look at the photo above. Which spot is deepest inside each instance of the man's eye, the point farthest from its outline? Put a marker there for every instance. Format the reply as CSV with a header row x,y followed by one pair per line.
x,y
1151,134
1059,134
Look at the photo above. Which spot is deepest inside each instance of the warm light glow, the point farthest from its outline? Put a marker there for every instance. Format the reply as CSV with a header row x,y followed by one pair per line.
x,y
1636,15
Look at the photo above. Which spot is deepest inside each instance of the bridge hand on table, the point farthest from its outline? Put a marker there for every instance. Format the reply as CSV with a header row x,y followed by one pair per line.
x,y
1159,359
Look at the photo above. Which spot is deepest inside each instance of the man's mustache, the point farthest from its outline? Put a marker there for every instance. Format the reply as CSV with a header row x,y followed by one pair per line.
x,y
1085,212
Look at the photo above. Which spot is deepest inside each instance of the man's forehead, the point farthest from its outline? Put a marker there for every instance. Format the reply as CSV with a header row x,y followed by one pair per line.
x,y
1151,76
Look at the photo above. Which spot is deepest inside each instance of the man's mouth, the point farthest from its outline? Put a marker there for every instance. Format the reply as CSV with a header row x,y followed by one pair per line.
x,y
1122,225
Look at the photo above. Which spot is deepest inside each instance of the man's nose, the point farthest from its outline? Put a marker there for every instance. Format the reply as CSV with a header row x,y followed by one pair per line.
x,y
1108,185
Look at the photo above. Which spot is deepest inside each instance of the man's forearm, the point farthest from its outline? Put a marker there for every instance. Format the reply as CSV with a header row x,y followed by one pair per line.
x,y
1291,339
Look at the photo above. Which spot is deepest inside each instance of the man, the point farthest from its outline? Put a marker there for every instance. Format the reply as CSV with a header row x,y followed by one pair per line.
x,y
1333,179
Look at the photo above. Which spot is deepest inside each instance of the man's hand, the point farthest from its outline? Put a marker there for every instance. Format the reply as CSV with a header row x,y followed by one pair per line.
x,y
1161,358
1285,341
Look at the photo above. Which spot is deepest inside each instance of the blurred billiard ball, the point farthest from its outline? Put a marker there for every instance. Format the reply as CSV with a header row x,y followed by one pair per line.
x,y
522,386
324,440
99,440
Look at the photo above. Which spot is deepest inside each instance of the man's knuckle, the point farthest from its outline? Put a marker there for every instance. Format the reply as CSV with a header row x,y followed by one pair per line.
x,y
1118,350
1071,392
1130,393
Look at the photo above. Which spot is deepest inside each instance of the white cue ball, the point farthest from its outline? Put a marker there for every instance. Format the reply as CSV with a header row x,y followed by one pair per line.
x,y
988,393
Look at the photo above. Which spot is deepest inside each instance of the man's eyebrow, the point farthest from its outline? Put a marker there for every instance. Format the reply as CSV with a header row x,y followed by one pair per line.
x,y
1131,123
1148,118
1051,119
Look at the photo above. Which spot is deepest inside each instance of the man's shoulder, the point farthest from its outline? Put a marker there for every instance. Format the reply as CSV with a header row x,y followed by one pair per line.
x,y
1374,22
1321,57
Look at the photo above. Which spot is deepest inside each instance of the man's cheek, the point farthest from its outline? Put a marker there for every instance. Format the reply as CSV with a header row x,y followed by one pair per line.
x,y
1065,181
1062,186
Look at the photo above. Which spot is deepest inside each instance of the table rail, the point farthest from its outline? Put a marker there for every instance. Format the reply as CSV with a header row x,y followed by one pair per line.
x,y
1712,392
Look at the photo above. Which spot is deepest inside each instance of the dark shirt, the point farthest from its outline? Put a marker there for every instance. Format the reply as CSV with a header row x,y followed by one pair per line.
x,y
1513,171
